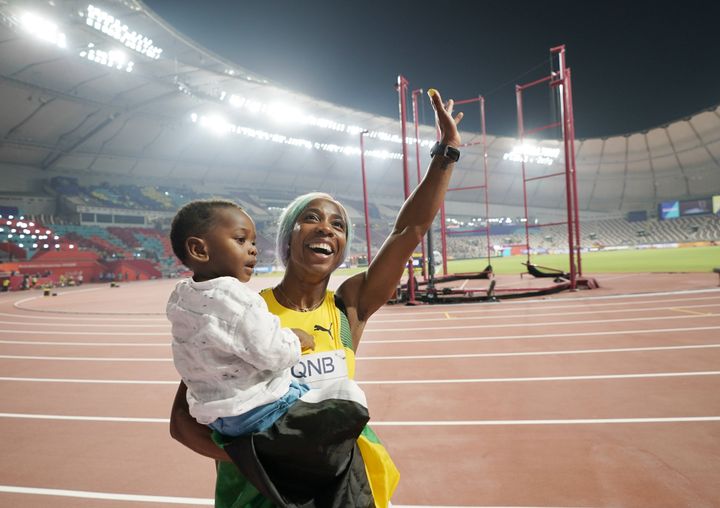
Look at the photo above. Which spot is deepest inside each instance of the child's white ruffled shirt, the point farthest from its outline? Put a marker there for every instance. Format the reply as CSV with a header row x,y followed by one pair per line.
x,y
231,352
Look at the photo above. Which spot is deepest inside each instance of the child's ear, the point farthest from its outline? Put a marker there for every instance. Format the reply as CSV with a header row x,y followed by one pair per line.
x,y
197,249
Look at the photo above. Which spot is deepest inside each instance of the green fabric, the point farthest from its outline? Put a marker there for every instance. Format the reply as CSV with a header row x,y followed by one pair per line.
x,y
345,333
370,435
232,490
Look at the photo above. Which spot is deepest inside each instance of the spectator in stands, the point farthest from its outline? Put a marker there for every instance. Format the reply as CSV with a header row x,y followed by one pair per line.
x,y
311,241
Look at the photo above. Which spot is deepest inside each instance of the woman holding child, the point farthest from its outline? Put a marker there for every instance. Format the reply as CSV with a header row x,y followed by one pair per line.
x,y
312,241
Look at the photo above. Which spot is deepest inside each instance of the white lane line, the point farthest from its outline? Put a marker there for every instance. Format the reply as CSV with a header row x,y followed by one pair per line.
x,y
577,421
394,381
17,303
375,423
548,323
535,379
541,353
49,322
84,358
502,310
89,381
100,334
545,314
105,317
101,344
463,308
397,357
136,498
394,330
125,419
389,341
539,336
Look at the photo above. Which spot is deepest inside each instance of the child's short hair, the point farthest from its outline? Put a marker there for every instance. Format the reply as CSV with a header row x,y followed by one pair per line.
x,y
194,219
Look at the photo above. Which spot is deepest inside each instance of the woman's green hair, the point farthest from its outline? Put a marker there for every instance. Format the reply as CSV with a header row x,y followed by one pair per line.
x,y
289,217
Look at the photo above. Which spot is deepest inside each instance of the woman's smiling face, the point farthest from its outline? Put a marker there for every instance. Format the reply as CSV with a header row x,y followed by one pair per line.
x,y
319,237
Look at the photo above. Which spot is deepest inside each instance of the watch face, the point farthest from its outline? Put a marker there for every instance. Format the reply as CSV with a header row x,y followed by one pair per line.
x,y
446,151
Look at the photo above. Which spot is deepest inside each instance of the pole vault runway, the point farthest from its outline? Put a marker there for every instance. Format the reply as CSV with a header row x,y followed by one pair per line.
x,y
596,398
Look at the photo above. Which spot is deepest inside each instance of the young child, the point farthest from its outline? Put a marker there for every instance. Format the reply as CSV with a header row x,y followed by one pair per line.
x,y
229,349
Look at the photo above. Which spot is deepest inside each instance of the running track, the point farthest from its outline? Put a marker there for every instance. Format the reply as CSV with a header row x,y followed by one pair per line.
x,y
607,397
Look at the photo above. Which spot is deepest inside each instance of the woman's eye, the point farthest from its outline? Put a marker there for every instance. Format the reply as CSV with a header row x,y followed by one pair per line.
x,y
339,225
240,240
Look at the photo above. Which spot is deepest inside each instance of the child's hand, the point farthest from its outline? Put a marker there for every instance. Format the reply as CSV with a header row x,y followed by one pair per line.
x,y
306,340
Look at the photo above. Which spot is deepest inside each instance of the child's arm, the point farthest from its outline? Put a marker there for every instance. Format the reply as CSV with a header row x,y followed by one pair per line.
x,y
249,330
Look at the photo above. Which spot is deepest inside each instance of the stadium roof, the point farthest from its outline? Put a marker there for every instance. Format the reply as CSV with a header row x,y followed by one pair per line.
x,y
110,89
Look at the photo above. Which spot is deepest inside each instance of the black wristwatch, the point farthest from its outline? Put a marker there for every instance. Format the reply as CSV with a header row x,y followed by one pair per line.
x,y
446,151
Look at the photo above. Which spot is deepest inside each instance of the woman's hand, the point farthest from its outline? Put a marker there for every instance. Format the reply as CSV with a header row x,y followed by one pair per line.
x,y
190,433
444,120
365,293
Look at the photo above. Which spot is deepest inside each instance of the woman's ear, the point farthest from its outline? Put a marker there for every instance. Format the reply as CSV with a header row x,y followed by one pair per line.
x,y
197,249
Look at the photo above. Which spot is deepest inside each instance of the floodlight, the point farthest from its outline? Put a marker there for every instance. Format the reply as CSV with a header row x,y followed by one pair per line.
x,y
113,58
529,152
112,27
216,124
43,29
254,106
236,101
284,113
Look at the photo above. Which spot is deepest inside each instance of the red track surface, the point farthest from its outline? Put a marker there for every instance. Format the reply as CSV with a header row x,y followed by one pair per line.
x,y
593,398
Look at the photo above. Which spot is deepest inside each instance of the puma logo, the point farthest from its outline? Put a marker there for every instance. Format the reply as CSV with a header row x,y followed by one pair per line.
x,y
319,328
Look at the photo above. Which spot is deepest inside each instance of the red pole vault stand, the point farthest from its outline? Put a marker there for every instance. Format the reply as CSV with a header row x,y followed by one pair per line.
x,y
443,227
416,121
559,80
365,198
402,86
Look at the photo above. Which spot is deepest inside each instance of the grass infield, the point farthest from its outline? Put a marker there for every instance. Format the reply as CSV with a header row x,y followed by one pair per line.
x,y
690,259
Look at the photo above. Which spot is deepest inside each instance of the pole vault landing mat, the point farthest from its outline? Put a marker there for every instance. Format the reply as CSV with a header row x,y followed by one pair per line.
x,y
475,289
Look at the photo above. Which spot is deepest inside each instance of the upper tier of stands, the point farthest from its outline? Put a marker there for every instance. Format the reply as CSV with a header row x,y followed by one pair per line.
x,y
595,234
132,197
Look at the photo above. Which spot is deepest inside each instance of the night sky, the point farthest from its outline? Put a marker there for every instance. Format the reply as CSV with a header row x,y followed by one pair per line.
x,y
635,65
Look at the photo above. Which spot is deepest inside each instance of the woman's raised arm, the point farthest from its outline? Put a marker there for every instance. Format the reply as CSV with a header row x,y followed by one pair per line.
x,y
370,290
189,432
